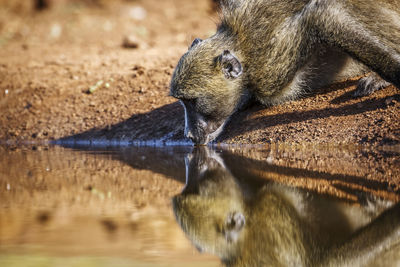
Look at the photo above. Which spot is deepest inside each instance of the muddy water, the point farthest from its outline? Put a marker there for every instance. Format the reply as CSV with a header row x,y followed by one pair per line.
x,y
175,206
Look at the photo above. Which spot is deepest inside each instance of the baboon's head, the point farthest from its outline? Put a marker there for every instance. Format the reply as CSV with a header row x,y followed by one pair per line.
x,y
225,217
210,209
207,81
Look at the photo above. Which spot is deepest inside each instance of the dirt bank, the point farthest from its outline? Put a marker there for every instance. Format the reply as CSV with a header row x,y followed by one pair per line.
x,y
50,59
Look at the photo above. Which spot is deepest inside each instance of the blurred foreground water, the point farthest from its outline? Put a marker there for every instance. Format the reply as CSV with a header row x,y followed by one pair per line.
x,y
175,206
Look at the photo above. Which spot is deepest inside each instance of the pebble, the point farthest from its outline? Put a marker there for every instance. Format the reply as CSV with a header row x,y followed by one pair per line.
x,y
130,41
55,31
137,13
389,101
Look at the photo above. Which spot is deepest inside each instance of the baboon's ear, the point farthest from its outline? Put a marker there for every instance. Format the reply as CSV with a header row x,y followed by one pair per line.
x,y
231,66
195,42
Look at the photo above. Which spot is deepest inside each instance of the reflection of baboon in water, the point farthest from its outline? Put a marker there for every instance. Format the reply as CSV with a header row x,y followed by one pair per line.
x,y
274,225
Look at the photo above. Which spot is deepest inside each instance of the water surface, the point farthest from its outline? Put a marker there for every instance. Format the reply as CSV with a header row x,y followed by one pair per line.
x,y
174,206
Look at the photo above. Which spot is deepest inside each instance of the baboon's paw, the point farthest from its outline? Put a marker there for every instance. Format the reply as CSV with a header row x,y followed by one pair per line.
x,y
368,85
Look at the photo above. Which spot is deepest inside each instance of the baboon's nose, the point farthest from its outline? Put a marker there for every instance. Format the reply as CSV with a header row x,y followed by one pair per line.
x,y
197,140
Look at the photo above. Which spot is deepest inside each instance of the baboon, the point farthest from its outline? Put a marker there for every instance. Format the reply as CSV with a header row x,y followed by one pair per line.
x,y
249,224
275,50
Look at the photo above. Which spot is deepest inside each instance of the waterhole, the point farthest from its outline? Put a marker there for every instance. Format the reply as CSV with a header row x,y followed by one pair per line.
x,y
199,206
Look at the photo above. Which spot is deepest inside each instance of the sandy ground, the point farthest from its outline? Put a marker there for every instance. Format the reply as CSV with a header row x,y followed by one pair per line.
x,y
50,59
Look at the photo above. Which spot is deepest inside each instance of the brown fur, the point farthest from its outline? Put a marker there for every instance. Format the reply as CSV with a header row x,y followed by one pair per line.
x,y
282,48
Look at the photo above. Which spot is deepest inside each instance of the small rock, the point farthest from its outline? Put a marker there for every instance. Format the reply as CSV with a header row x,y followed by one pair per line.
x,y
270,160
130,41
109,225
43,217
137,13
138,70
41,4
28,105
55,30
93,88
389,101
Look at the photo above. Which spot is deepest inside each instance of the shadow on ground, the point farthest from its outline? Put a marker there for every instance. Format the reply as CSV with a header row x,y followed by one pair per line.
x,y
270,121
166,123
163,123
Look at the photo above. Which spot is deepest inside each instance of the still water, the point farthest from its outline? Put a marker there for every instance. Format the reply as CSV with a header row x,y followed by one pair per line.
x,y
181,206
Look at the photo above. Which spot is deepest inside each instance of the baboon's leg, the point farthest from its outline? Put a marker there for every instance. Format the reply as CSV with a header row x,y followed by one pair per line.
x,y
362,30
